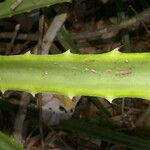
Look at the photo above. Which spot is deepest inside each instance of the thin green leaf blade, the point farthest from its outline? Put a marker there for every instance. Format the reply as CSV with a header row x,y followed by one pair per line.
x,y
95,131
6,143
25,6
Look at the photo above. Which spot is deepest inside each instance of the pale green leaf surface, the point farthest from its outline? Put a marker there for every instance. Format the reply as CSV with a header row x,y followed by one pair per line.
x,y
109,75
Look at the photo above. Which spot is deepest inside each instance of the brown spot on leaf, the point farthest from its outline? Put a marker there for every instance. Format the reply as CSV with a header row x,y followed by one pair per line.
x,y
123,72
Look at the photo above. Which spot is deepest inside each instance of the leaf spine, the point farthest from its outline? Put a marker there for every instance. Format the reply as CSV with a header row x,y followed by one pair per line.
x,y
2,91
110,98
116,51
28,53
67,52
33,94
70,96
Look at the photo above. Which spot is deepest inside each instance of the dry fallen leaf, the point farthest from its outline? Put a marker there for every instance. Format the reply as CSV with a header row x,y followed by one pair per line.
x,y
57,107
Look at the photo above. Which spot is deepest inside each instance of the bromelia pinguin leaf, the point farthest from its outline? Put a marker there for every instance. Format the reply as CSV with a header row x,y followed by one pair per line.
x,y
109,75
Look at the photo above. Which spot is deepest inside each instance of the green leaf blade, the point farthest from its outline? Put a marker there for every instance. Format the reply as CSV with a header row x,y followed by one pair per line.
x,y
25,6
109,75
7,143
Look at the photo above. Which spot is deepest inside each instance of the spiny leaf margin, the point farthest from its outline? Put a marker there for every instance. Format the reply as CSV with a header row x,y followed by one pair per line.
x,y
110,75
